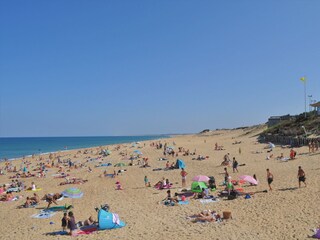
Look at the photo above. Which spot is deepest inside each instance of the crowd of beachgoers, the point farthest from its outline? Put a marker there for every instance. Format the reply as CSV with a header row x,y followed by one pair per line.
x,y
208,178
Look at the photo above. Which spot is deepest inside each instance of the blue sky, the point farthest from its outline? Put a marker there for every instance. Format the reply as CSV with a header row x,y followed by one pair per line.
x,y
85,68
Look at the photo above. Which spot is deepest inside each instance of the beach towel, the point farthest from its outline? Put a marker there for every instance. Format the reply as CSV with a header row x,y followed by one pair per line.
x,y
86,230
37,189
16,189
210,200
165,187
104,165
57,208
57,233
43,215
183,202
109,175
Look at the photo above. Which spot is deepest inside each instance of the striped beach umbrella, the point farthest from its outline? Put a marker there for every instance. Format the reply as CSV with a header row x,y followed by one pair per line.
x,y
249,179
119,165
72,193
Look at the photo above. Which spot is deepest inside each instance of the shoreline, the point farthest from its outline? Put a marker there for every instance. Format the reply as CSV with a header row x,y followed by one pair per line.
x,y
82,148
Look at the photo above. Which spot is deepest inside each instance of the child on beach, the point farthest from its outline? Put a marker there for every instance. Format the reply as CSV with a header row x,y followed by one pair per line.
x,y
118,186
64,222
146,181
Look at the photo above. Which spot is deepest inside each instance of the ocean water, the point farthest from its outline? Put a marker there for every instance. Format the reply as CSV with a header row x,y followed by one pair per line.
x,y
11,148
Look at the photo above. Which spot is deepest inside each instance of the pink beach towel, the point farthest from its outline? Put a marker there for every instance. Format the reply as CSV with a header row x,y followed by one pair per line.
x,y
86,231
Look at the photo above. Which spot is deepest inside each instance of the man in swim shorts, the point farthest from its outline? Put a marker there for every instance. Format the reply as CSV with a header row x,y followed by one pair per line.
x,y
269,179
301,176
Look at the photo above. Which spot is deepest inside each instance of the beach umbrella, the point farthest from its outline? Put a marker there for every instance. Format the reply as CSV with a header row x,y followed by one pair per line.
x,y
249,179
137,152
170,147
108,152
119,165
201,178
72,193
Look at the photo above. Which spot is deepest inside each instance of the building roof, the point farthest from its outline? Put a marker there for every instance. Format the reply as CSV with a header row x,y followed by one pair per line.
x,y
315,104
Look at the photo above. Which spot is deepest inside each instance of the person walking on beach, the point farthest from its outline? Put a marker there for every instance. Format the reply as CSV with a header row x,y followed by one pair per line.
x,y
235,165
269,179
183,174
301,176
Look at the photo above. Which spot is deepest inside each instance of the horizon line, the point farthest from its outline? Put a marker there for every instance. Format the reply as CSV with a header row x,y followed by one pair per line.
x,y
140,135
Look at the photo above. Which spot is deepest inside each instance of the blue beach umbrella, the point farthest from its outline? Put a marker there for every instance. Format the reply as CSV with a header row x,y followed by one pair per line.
x,y
137,152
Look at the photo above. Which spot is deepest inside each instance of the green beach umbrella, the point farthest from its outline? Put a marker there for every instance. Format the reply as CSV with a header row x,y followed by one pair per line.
x,y
72,193
197,186
119,165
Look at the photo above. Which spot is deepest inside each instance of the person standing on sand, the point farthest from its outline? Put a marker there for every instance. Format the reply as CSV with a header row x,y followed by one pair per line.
x,y
183,174
301,176
269,179
226,175
146,181
235,165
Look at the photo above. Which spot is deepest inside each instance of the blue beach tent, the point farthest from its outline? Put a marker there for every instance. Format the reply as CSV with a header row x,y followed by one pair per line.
x,y
180,164
105,220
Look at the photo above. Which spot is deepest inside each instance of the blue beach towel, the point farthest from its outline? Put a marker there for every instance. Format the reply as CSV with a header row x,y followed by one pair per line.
x,y
183,202
43,215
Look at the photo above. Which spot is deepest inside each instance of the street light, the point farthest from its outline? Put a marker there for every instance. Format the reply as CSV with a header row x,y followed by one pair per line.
x,y
310,101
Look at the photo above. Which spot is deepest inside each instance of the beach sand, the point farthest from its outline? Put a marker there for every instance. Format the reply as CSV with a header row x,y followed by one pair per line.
x,y
285,213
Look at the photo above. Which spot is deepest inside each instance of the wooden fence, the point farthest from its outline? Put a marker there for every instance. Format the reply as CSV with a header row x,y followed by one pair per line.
x,y
286,140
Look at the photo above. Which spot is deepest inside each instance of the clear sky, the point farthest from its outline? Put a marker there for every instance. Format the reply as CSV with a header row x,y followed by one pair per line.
x,y
86,68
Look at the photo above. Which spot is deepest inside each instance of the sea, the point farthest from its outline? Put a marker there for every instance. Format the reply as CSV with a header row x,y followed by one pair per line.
x,y
17,147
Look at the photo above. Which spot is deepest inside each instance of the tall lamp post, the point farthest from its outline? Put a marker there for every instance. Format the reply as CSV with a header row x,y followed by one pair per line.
x,y
310,101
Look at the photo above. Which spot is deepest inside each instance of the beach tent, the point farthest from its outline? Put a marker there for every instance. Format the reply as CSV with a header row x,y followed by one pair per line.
x,y
180,164
197,186
108,220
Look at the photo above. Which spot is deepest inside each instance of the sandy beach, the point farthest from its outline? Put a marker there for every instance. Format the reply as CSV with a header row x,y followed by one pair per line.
x,y
287,212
